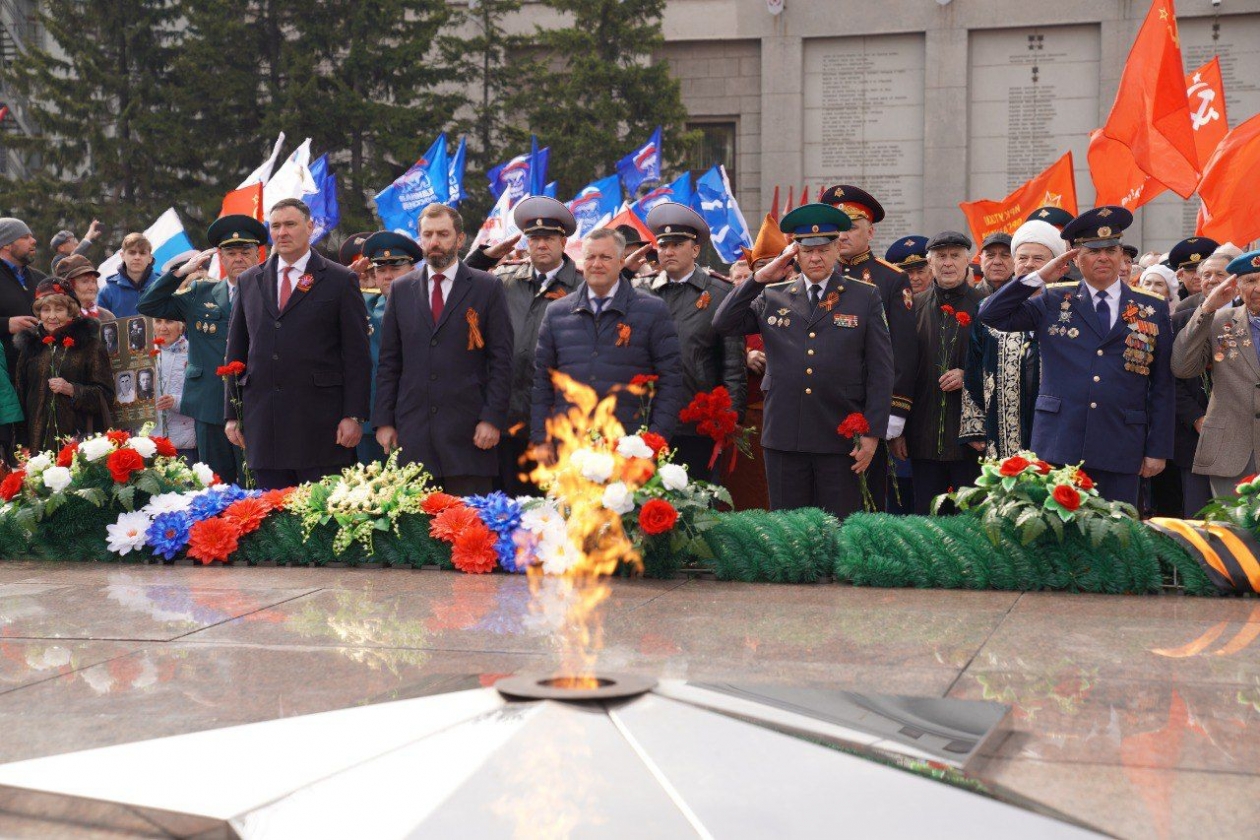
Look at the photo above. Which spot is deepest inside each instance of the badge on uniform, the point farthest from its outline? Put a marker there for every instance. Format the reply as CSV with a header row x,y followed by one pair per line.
x,y
842,320
782,321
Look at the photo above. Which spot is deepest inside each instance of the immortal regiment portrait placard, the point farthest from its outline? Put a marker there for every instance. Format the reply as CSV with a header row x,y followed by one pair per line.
x,y
128,342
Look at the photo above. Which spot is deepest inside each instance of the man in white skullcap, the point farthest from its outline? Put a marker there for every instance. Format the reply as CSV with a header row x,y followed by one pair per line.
x,y
1003,368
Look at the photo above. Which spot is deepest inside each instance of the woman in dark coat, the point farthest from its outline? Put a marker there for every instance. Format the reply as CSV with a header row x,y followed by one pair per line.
x,y
63,375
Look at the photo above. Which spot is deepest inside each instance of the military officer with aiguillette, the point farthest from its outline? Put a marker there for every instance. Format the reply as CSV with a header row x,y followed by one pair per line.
x,y
828,355
205,306
1106,394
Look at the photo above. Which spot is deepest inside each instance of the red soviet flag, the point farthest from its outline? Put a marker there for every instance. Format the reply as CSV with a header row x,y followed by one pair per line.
x,y
1151,115
246,201
1055,187
1231,203
1205,91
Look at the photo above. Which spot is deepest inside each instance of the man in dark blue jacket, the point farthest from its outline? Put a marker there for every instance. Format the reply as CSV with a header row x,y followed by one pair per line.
x,y
603,335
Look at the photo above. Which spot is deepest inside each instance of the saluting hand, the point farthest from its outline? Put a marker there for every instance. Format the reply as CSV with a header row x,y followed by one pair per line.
x,y
778,269
1058,266
1222,295
502,249
636,259
196,263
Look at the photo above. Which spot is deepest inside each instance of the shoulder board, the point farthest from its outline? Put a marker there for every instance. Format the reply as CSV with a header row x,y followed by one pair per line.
x,y
513,271
893,266
1068,285
849,278
370,291
1148,293
780,284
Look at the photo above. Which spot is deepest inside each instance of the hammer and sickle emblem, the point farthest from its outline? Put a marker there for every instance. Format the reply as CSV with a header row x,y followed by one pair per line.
x,y
1205,113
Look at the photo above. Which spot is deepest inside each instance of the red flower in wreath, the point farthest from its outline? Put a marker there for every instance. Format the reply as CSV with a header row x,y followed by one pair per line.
x,y
66,456
657,516
12,484
962,318
1083,481
247,515
118,436
657,443
122,463
277,499
1013,466
435,503
452,522
212,539
165,448
473,550
853,426
1067,497
1042,467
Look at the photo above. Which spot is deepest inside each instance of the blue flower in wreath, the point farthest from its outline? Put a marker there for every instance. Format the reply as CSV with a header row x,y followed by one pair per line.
x,y
168,533
500,512
208,504
505,547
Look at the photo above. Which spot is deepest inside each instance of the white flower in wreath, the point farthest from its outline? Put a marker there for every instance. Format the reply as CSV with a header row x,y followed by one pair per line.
x,y
127,534
632,446
94,449
558,556
38,464
144,445
204,474
594,466
618,498
674,477
57,479
169,503
538,518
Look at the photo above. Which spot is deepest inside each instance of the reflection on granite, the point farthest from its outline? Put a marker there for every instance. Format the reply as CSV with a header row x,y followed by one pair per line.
x,y
1133,713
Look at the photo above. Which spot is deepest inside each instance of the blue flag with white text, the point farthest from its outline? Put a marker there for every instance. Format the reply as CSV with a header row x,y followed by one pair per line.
x,y
456,188
517,175
714,201
643,164
325,211
595,201
427,182
678,191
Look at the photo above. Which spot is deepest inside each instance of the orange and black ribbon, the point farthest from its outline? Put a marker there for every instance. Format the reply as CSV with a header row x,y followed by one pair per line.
x,y
623,335
475,341
1230,556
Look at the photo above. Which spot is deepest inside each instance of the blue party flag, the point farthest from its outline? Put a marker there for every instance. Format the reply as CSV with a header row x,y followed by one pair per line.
x,y
679,191
714,201
427,182
643,164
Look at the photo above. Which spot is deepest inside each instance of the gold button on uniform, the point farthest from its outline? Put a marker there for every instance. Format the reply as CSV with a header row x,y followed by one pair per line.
x,y
1097,378
808,391
809,371
810,352
1093,405
811,335
1099,352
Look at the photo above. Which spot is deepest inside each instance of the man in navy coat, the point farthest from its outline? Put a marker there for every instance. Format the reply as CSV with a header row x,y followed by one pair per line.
x,y
444,375
1107,394
300,326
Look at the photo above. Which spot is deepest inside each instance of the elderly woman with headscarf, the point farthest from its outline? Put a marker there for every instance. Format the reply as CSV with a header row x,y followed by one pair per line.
x,y
1003,372
1161,280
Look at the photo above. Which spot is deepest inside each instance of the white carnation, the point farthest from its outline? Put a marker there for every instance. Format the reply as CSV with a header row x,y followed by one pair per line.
x,y
144,445
127,534
618,498
169,503
204,474
93,449
38,464
632,446
57,479
673,476
594,466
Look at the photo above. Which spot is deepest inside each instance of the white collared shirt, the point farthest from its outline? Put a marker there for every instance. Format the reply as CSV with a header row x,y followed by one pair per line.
x,y
612,293
299,268
448,280
1113,300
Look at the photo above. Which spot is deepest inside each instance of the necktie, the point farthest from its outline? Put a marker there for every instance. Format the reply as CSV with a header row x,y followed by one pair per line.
x,y
1103,310
435,300
599,305
815,292
21,276
286,287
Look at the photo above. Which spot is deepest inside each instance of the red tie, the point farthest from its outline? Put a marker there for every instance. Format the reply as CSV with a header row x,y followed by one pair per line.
x,y
286,288
435,302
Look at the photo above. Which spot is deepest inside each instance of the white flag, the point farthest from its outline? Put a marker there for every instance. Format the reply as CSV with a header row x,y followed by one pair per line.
x,y
262,174
292,180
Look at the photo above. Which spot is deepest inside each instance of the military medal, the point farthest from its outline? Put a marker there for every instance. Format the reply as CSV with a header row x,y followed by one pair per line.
x,y
1073,333
841,320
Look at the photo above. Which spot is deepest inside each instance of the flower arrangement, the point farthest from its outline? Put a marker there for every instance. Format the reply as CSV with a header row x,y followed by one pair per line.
x,y
1241,510
854,427
362,500
106,469
1035,497
715,418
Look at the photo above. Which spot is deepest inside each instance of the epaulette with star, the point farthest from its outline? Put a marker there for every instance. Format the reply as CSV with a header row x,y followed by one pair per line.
x,y
1148,292
894,266
852,279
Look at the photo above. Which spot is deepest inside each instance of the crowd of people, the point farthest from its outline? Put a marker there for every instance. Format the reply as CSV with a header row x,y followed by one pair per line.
x,y
870,380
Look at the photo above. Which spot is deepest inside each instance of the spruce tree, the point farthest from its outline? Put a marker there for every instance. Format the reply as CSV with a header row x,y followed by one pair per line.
x,y
601,92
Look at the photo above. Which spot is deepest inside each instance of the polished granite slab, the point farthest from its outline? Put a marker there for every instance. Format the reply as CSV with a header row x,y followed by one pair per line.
x,y
1137,714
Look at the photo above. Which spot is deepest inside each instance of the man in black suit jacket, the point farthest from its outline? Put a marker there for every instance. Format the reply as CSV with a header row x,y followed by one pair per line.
x,y
300,326
17,284
445,371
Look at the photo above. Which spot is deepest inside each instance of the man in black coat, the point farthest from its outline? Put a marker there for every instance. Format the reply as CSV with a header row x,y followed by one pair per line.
x,y
444,375
603,335
17,284
301,329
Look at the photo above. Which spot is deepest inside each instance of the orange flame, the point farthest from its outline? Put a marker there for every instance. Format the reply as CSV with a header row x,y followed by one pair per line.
x,y
588,430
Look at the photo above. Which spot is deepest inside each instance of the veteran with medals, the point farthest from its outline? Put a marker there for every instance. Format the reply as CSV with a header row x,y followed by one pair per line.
x,y
204,306
1106,396
828,356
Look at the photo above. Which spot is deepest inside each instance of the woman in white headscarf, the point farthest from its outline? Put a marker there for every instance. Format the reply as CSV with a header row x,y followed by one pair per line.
x,y
1161,280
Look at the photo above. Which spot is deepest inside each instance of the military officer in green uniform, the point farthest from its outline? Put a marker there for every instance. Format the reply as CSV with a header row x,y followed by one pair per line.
x,y
205,306
391,255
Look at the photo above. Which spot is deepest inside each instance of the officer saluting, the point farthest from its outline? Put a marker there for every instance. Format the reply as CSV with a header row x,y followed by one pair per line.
x,y
205,306
693,295
1107,387
828,355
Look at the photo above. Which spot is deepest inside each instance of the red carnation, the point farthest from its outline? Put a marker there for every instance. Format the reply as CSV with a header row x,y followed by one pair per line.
x,y
66,456
854,425
230,369
67,342
1014,466
122,463
159,341
656,442
212,539
644,379
473,549
1083,481
165,448
1042,467
1246,480
435,503
48,339
946,309
12,484
1067,497
118,436
962,318
657,516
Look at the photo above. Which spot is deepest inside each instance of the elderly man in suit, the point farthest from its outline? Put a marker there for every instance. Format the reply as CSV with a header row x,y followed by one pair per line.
x,y
445,371
301,329
1226,338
